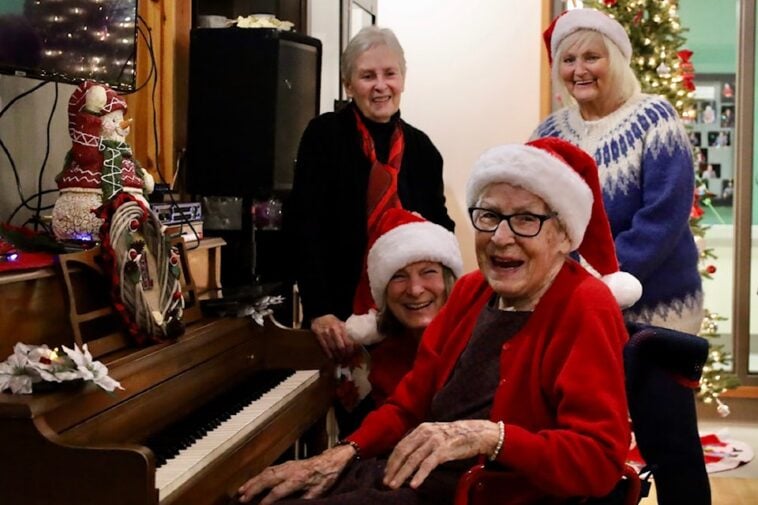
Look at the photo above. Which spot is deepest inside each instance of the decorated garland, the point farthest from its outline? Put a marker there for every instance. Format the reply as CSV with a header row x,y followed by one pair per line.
x,y
144,269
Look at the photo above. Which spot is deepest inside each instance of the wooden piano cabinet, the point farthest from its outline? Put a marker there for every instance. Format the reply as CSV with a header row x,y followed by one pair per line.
x,y
204,260
78,445
39,471
33,311
35,307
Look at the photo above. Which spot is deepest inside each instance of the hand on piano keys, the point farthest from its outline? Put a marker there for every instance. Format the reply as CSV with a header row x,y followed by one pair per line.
x,y
311,477
184,449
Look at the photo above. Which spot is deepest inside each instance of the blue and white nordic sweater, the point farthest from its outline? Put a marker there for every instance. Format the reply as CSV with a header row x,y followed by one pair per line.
x,y
647,176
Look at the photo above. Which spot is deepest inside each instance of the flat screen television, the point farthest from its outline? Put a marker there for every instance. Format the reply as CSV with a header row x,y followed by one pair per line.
x,y
70,40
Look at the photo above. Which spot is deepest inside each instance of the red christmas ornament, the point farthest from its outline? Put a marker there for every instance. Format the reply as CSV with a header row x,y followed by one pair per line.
x,y
610,3
711,269
134,225
133,254
687,69
696,212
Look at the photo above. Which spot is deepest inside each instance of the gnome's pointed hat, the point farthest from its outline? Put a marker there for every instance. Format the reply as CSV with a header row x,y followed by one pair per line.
x,y
566,178
568,22
399,239
77,102
80,124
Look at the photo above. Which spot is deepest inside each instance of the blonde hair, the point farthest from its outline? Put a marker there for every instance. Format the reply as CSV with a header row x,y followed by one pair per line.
x,y
623,82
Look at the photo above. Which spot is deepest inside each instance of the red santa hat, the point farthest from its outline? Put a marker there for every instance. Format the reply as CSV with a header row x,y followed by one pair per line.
x,y
566,178
399,239
571,21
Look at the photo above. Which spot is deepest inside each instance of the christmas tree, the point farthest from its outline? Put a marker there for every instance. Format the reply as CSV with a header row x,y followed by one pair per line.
x,y
663,67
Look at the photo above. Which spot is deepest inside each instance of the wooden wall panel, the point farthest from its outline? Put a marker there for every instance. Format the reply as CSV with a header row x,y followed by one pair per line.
x,y
168,22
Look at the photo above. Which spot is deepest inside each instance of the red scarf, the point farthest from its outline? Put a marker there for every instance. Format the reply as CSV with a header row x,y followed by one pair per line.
x,y
381,195
382,182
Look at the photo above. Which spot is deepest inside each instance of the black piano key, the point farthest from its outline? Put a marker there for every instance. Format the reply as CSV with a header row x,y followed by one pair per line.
x,y
182,434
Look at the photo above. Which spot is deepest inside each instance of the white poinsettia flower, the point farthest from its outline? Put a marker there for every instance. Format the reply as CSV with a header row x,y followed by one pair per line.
x,y
14,375
22,349
89,369
51,366
107,383
30,364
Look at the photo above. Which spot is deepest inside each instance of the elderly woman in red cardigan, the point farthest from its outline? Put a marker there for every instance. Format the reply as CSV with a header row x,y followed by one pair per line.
x,y
522,368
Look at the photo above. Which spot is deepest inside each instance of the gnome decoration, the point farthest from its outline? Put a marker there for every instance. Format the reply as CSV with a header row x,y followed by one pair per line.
x,y
99,165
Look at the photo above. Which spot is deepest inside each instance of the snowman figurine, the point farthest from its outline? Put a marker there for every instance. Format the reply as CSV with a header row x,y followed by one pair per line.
x,y
98,166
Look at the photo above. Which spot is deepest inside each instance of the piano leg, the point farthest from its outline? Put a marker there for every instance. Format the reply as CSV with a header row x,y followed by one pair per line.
x,y
315,440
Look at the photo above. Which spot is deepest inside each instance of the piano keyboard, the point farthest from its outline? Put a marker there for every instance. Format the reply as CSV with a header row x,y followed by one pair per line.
x,y
207,447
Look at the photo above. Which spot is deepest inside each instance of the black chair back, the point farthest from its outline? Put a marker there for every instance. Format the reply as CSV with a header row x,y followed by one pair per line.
x,y
662,369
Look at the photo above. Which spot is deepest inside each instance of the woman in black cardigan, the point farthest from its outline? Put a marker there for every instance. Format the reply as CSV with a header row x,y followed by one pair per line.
x,y
327,214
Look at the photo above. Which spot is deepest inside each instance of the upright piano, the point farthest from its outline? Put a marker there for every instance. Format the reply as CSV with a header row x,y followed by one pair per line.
x,y
196,418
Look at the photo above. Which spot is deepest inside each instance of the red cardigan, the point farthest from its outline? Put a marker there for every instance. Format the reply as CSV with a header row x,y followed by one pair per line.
x,y
561,393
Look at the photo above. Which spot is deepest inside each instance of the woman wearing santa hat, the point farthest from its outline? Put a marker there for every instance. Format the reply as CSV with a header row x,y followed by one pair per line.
x,y
644,157
352,165
412,265
522,368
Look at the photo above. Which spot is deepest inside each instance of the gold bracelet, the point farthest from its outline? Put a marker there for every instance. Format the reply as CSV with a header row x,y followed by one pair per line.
x,y
352,444
500,440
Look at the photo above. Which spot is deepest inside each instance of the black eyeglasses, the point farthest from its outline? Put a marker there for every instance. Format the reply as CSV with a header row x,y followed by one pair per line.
x,y
523,224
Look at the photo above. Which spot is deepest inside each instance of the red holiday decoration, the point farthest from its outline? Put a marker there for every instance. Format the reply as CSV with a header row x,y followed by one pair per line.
x,y
687,69
711,269
638,17
697,211
610,3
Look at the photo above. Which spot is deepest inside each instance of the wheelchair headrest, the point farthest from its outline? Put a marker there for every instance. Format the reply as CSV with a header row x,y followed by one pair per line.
x,y
682,354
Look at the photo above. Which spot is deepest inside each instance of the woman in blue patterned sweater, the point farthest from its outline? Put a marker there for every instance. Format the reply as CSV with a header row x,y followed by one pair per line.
x,y
644,157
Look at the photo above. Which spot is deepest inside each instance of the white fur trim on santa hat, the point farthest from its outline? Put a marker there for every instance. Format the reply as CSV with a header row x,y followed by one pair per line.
x,y
590,19
406,244
362,328
625,287
537,171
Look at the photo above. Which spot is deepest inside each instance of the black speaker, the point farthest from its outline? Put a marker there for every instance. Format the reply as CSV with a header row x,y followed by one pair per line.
x,y
252,92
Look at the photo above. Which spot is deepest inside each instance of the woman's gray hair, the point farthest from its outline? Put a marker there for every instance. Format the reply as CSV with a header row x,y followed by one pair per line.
x,y
367,38
623,82
389,326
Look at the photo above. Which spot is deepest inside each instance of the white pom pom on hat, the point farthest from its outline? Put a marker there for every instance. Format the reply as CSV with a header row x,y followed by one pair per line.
x,y
362,328
571,21
566,178
399,239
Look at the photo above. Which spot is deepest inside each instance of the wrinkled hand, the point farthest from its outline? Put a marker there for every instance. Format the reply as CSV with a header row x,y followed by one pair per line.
x,y
432,444
332,335
312,476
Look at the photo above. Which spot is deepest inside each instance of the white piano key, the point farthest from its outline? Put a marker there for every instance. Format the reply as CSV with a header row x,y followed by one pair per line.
x,y
188,462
